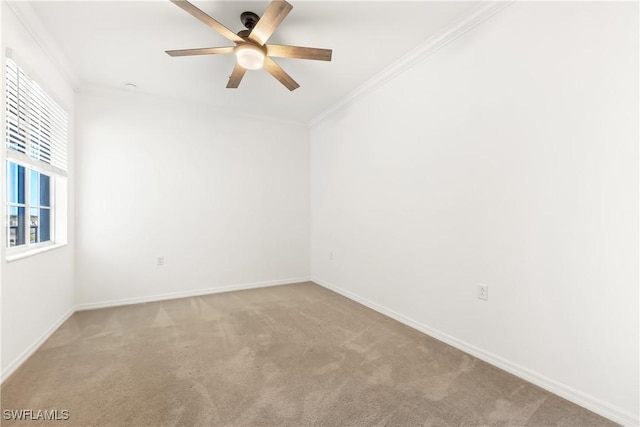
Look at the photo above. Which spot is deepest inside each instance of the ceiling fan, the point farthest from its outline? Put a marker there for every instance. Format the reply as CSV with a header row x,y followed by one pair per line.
x,y
251,50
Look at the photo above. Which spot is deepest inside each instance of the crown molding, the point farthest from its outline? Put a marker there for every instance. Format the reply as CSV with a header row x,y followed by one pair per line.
x,y
101,91
33,24
486,9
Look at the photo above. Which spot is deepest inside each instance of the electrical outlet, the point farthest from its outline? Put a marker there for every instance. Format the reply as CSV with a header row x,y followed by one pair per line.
x,y
160,260
483,292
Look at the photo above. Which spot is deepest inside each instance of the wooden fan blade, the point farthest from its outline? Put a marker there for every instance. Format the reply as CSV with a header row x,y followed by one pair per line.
x,y
236,77
267,24
202,51
197,13
276,71
299,52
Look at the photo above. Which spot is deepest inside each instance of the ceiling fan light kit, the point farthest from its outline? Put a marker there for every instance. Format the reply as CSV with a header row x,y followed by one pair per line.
x,y
249,56
251,50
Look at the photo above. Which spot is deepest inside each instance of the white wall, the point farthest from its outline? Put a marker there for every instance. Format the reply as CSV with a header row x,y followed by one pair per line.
x,y
37,292
225,199
509,158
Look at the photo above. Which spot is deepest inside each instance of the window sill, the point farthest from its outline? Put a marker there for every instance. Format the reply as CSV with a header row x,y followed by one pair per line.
x,y
32,252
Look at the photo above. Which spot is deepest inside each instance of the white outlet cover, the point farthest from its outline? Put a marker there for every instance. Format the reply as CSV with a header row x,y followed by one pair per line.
x,y
483,292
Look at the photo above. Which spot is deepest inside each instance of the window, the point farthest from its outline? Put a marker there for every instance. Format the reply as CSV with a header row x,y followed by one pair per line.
x,y
36,142
28,206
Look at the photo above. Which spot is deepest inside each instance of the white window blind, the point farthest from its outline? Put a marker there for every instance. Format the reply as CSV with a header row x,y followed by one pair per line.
x,y
36,125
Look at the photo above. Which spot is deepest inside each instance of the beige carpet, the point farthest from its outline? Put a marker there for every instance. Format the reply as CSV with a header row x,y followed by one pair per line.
x,y
292,355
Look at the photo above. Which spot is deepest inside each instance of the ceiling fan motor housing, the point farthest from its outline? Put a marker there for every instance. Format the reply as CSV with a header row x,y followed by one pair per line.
x,y
249,20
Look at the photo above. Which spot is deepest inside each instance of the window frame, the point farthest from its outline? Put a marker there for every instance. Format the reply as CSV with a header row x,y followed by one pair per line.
x,y
28,246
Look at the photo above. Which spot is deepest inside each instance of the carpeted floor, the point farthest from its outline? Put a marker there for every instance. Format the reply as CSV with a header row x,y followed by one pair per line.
x,y
288,355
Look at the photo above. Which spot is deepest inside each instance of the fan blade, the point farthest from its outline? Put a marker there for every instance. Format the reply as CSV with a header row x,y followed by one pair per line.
x,y
267,24
197,13
236,77
276,71
203,51
298,52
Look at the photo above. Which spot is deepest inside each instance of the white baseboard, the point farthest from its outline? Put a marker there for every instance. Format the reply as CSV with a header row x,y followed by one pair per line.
x,y
586,401
18,361
186,294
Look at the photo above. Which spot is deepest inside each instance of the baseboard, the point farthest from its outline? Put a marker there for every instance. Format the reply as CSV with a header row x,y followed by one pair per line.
x,y
186,294
18,361
586,401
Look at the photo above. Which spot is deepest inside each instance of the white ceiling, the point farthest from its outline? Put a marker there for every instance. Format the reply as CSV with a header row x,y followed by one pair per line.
x,y
110,43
